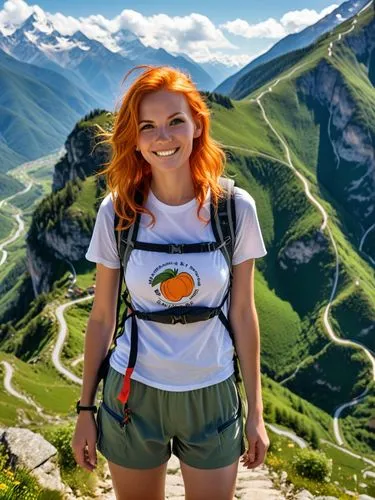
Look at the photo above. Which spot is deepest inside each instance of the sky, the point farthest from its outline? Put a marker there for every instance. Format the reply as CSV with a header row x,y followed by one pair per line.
x,y
207,31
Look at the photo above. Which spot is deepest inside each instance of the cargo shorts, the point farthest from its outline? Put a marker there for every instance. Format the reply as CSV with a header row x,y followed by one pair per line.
x,y
202,427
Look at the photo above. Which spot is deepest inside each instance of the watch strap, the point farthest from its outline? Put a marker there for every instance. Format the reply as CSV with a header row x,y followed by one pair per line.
x,y
80,407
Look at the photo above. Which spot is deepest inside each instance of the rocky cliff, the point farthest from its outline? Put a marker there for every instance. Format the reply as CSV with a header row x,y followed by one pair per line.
x,y
83,155
56,233
346,163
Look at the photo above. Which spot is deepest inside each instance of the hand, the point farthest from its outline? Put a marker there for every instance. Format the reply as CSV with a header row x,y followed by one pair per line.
x,y
258,442
84,440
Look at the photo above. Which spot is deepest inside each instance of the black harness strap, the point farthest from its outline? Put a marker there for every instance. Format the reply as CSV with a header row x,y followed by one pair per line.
x,y
207,246
181,314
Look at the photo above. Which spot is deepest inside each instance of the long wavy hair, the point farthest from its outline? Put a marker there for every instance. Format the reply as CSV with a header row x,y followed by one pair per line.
x,y
128,172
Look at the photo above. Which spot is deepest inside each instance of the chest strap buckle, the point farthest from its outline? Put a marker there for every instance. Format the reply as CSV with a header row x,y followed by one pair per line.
x,y
176,248
181,318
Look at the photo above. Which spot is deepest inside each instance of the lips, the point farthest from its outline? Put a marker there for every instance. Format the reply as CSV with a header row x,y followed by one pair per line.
x,y
175,150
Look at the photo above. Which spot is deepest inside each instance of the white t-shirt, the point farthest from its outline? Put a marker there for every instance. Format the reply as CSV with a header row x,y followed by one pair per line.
x,y
177,357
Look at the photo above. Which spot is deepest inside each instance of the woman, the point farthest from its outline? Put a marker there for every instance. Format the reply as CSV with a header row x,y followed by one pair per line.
x,y
183,385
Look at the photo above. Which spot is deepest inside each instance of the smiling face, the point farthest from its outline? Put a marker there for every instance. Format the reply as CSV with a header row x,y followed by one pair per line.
x,y
166,130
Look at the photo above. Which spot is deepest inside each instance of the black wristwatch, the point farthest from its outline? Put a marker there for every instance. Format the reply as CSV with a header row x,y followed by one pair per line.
x,y
79,407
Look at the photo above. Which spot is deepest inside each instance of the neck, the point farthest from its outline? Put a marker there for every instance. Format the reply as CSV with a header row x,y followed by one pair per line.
x,y
173,191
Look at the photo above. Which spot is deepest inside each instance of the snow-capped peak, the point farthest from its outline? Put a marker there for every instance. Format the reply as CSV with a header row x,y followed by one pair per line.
x,y
38,22
125,35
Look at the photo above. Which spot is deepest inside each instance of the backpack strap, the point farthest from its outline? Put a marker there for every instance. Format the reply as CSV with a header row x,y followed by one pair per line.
x,y
127,237
223,221
124,251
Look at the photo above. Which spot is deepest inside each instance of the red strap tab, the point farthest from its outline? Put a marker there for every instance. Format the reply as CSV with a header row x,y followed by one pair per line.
x,y
125,390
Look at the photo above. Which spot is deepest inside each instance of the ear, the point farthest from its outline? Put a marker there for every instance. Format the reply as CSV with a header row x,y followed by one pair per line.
x,y
198,129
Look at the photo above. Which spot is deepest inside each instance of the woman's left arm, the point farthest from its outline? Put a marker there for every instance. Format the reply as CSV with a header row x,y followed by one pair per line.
x,y
244,321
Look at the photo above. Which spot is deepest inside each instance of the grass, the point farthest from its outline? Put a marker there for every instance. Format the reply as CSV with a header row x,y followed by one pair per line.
x,y
347,471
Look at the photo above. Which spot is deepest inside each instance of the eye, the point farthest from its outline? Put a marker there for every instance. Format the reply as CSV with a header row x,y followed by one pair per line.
x,y
147,125
178,120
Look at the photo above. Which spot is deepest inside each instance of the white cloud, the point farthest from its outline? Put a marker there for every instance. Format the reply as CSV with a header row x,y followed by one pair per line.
x,y
266,29
66,25
291,22
193,34
15,12
175,34
297,20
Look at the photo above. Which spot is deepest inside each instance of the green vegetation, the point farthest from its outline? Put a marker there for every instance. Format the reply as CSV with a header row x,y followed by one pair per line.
x,y
214,97
19,483
291,412
355,315
291,295
266,72
72,474
40,381
8,225
312,465
306,468
9,186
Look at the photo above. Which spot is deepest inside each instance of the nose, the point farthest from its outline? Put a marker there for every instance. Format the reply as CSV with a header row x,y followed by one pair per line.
x,y
163,135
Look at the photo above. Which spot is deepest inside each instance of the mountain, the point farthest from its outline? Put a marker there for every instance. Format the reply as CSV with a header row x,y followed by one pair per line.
x,y
321,109
101,65
296,41
38,108
218,70
301,142
341,104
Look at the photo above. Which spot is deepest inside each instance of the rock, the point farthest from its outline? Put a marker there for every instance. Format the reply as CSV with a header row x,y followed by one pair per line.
x,y
303,495
324,497
283,476
324,88
26,447
173,465
48,475
30,450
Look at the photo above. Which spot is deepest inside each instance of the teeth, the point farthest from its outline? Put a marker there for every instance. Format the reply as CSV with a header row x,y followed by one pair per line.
x,y
165,153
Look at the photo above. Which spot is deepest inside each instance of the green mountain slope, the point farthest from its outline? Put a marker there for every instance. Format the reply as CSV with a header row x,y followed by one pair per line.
x,y
29,123
282,150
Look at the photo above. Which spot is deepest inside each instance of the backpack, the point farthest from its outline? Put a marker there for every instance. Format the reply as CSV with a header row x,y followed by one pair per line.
x,y
223,222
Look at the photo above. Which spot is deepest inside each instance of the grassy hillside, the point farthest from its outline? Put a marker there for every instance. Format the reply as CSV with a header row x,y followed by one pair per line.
x,y
29,125
305,374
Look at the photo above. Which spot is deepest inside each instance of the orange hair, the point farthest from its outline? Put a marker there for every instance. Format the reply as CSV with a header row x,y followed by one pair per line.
x,y
128,171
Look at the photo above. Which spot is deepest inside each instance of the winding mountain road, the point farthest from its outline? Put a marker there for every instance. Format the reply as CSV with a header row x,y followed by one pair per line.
x,y
60,309
323,226
21,224
12,391
61,339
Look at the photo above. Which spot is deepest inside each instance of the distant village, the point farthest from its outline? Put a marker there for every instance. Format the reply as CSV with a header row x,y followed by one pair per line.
x,y
75,291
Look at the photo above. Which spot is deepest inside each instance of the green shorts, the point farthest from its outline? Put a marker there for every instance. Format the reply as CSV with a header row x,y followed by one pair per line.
x,y
204,425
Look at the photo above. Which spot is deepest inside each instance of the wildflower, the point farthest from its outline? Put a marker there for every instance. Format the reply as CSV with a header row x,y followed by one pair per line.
x,y
17,482
291,445
3,486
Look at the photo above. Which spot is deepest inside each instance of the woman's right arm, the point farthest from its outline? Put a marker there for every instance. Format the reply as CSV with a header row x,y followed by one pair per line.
x,y
98,339
100,328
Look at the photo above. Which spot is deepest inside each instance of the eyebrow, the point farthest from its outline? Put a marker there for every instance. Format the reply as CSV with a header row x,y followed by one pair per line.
x,y
171,116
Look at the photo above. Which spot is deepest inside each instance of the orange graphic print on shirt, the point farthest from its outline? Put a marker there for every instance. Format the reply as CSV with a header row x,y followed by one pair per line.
x,y
174,285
